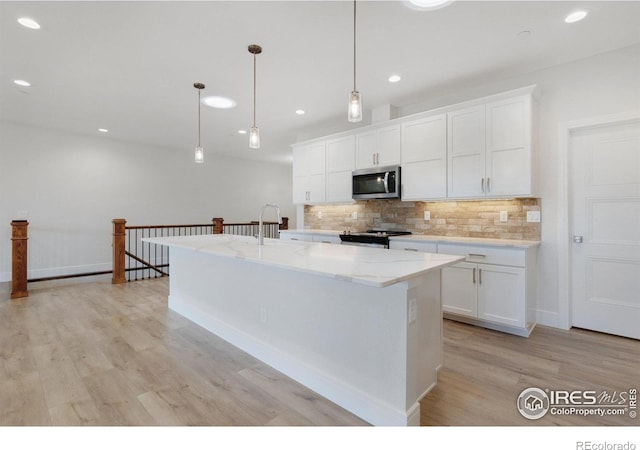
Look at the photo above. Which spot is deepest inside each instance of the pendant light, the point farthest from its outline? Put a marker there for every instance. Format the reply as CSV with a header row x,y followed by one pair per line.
x,y
254,132
354,113
199,155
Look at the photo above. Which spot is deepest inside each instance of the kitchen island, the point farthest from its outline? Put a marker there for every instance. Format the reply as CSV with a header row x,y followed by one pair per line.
x,y
360,326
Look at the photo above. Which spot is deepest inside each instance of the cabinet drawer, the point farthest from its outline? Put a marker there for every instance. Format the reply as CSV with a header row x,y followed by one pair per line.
x,y
327,238
286,236
487,255
415,246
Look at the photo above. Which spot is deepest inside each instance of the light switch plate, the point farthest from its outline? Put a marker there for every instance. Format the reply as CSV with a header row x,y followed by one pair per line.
x,y
427,215
533,216
354,215
504,216
413,310
319,214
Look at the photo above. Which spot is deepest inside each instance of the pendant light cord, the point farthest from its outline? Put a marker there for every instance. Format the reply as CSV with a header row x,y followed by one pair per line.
x,y
254,89
354,45
199,118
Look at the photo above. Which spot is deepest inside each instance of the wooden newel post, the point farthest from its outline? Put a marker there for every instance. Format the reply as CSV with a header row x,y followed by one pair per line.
x,y
285,224
119,245
19,237
217,225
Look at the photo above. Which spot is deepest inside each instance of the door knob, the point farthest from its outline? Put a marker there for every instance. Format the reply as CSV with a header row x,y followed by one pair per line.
x,y
577,239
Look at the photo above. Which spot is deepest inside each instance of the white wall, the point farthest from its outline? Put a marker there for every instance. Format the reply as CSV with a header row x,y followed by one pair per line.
x,y
73,186
601,85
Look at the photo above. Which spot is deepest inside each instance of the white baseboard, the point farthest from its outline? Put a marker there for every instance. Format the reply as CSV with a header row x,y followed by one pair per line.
x,y
548,318
5,276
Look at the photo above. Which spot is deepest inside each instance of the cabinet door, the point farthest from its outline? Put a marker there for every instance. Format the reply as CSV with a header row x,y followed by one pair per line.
x,y
341,154
501,294
508,155
459,289
424,158
316,185
339,187
299,189
466,153
366,150
309,159
388,146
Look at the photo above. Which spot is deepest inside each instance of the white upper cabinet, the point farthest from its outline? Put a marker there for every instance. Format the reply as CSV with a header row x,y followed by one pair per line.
x,y
424,158
379,147
508,157
466,152
490,150
477,149
340,165
309,173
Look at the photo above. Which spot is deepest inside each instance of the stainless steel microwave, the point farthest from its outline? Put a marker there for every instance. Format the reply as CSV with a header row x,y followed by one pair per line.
x,y
377,182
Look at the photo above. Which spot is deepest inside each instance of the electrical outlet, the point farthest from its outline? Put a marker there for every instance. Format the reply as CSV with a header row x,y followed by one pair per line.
x,y
427,215
263,314
354,215
533,216
319,214
413,310
504,216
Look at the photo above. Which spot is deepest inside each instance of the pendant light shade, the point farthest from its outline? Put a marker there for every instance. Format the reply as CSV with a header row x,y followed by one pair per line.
x,y
199,153
354,111
254,132
355,107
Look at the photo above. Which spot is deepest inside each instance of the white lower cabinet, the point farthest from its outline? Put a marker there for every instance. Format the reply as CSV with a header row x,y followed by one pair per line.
x,y
499,292
495,287
310,236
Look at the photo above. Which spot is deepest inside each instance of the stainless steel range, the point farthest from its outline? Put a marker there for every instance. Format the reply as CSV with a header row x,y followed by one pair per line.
x,y
370,238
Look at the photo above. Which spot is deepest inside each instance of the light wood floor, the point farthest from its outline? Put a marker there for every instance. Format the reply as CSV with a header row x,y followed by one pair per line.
x,y
98,354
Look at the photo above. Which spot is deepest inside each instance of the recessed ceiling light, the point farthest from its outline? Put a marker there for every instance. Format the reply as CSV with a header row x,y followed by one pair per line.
x,y
22,83
576,16
219,102
427,5
103,130
394,78
29,23
524,34
300,112
242,131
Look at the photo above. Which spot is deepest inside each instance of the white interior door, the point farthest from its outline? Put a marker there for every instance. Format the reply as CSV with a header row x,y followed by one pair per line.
x,y
605,214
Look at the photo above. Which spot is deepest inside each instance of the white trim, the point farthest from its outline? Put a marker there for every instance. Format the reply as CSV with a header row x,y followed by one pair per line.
x,y
547,318
564,223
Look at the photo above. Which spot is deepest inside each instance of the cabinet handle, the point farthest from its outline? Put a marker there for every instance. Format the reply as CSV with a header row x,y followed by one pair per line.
x,y
296,239
411,249
326,242
482,185
488,184
479,276
476,255
374,159
474,275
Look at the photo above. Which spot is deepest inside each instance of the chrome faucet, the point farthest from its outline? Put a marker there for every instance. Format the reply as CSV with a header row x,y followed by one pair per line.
x,y
260,232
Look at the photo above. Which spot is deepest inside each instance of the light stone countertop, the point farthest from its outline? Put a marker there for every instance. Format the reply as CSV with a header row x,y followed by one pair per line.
x,y
439,239
362,265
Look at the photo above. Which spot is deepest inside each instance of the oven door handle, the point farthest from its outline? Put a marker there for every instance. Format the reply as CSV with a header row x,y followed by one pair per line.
x,y
386,182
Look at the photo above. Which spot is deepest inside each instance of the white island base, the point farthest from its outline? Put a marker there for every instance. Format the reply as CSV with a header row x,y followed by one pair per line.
x,y
373,350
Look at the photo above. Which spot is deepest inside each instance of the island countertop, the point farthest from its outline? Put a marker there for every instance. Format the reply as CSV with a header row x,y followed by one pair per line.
x,y
362,265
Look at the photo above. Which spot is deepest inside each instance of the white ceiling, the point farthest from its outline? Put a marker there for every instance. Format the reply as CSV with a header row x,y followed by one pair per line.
x,y
130,66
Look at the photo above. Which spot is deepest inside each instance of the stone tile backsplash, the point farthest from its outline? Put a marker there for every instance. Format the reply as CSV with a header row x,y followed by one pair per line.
x,y
473,218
